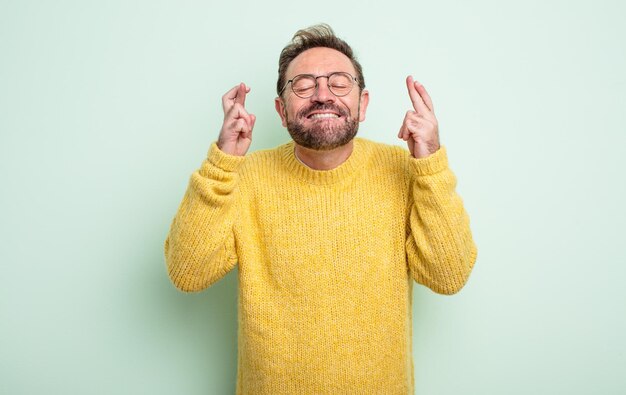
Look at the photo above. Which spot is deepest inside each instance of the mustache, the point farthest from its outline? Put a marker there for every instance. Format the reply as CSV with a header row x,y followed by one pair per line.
x,y
322,107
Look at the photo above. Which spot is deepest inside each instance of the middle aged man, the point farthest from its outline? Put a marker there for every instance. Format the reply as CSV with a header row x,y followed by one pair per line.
x,y
328,231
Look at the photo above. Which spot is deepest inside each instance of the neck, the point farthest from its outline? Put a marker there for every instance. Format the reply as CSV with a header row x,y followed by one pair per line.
x,y
324,160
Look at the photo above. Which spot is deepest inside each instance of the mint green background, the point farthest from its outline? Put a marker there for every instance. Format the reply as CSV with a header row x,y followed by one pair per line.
x,y
107,107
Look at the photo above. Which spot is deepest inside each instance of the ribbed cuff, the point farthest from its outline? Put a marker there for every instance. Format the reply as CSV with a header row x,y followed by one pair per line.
x,y
433,163
223,160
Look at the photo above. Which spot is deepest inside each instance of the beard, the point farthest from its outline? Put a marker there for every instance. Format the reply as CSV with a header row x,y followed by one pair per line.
x,y
323,134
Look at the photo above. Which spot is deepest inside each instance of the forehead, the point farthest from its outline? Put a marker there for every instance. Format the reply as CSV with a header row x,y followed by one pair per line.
x,y
319,61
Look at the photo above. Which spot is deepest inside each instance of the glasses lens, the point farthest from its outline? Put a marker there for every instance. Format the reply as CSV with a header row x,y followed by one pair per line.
x,y
340,84
303,85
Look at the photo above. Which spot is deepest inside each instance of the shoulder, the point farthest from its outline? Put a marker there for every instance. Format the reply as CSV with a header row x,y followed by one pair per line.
x,y
265,160
387,166
382,153
381,147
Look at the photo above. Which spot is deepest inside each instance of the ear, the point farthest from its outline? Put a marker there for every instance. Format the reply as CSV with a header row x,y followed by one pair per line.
x,y
365,99
280,109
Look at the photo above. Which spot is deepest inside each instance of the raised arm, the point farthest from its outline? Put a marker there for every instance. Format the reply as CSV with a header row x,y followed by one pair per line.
x,y
440,249
200,246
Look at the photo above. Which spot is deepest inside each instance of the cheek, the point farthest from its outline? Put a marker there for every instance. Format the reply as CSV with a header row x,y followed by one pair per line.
x,y
352,103
354,109
292,109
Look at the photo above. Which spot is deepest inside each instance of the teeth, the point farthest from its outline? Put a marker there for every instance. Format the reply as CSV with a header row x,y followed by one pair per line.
x,y
324,115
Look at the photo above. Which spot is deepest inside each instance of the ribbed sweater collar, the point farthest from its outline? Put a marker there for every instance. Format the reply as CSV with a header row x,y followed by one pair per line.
x,y
343,172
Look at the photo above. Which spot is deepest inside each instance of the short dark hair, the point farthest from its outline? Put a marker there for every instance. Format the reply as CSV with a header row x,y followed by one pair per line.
x,y
316,36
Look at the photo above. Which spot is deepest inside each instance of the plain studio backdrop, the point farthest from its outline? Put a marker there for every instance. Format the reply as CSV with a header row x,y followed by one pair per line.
x,y
106,108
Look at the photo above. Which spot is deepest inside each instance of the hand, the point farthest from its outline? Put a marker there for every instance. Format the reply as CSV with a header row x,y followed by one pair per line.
x,y
236,134
420,129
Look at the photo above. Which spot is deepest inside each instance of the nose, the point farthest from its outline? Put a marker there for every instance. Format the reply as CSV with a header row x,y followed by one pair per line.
x,y
322,93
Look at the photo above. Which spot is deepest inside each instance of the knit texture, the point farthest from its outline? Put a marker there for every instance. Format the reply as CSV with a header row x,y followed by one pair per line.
x,y
326,261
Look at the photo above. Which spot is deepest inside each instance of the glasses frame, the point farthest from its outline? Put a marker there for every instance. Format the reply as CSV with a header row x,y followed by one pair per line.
x,y
327,76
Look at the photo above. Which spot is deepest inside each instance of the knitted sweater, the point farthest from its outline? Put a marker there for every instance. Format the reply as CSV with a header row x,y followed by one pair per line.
x,y
326,261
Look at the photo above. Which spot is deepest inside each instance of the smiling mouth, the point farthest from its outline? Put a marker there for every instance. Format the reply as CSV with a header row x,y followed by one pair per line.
x,y
325,115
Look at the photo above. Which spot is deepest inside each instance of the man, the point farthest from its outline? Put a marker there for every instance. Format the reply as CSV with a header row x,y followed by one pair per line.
x,y
329,231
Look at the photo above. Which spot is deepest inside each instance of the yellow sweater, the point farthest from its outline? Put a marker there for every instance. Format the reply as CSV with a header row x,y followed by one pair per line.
x,y
326,261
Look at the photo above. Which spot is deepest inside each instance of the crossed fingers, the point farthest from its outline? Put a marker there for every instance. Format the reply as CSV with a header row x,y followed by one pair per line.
x,y
421,100
236,134
236,118
419,128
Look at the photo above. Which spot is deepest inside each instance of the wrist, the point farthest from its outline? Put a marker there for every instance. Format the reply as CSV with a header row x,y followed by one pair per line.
x,y
423,150
431,164
223,159
228,148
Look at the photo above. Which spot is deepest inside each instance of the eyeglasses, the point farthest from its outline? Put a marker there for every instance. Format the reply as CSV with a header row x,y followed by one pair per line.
x,y
305,85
